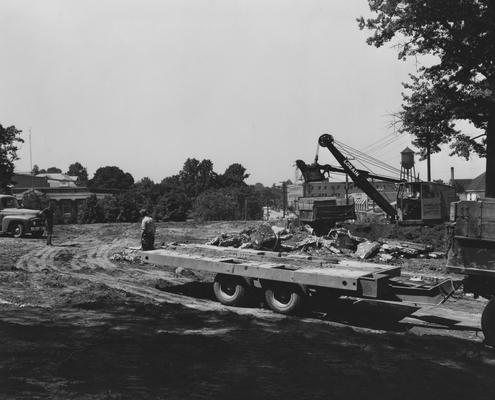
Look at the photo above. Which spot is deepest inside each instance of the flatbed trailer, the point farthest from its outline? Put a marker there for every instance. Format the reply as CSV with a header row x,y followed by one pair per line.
x,y
287,280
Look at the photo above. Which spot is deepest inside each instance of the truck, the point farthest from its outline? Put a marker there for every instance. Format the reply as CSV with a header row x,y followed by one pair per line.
x,y
320,212
472,254
18,221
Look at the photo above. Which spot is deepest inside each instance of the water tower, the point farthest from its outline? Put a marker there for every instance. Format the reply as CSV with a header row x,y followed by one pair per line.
x,y
407,169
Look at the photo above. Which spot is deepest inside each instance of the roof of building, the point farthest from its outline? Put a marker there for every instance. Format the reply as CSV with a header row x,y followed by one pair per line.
x,y
28,181
477,184
461,184
58,177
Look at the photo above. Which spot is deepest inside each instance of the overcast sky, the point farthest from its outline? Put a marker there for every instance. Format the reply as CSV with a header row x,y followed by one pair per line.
x,y
146,84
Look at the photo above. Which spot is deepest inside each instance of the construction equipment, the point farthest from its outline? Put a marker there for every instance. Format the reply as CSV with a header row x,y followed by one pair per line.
x,y
472,254
416,202
288,281
321,213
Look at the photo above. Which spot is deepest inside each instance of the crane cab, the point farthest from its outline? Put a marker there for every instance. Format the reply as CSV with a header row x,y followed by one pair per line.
x,y
426,202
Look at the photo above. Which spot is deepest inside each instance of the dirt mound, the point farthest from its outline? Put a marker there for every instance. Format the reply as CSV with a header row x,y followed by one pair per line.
x,y
432,235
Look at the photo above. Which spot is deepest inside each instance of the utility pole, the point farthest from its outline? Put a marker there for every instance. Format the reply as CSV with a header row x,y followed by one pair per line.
x,y
284,198
31,158
428,164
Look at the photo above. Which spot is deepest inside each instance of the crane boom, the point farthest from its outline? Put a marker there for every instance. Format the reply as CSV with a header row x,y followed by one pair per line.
x,y
359,178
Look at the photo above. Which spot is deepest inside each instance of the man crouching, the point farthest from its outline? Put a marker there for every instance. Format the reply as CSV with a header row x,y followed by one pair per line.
x,y
147,231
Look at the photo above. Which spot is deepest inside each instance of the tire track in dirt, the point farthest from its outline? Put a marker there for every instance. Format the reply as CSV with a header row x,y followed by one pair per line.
x,y
140,281
90,262
37,264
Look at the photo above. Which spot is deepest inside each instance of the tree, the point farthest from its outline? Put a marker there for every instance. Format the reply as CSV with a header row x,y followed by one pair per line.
x,y
111,177
34,200
234,175
460,34
197,177
35,170
76,169
425,116
90,211
53,170
217,204
10,138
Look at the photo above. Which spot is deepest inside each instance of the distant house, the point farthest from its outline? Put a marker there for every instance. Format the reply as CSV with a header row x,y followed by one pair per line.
x,y
28,181
60,188
475,190
59,180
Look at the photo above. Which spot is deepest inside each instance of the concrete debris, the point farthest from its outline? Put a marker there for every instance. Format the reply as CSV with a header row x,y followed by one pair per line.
x,y
308,229
436,254
311,241
405,249
264,238
126,255
385,257
225,240
279,230
366,250
344,239
339,241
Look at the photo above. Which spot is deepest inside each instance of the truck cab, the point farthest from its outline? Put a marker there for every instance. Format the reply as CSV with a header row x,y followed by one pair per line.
x,y
18,221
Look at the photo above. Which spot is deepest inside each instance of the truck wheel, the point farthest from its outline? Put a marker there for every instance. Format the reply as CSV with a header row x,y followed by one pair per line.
x,y
488,322
284,298
17,229
230,290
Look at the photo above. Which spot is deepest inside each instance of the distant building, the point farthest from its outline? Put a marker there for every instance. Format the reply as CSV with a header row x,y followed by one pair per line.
x,y
27,181
59,180
338,190
60,188
475,190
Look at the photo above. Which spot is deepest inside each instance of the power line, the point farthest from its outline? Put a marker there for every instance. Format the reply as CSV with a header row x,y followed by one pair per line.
x,y
368,158
378,142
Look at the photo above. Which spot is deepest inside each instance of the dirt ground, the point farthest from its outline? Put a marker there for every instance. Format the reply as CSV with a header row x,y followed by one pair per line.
x,y
76,325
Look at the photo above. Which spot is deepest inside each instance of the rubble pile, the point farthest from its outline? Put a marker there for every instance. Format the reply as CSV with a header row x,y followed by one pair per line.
x,y
126,255
338,241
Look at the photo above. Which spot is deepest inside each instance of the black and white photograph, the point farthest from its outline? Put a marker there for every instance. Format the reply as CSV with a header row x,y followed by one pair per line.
x,y
247,199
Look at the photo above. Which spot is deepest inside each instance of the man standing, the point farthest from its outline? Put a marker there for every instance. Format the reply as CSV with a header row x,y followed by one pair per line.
x,y
47,214
147,231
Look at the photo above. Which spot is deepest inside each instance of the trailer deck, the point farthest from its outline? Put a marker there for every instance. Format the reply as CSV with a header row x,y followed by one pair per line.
x,y
298,274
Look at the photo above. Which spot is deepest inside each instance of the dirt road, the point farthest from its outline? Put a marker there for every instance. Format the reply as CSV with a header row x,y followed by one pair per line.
x,y
75,324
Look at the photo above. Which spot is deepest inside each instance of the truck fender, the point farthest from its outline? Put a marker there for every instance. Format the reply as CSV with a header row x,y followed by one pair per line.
x,y
8,220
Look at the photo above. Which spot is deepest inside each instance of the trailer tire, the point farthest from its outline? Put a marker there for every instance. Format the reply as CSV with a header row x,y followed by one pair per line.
x,y
488,322
230,290
284,298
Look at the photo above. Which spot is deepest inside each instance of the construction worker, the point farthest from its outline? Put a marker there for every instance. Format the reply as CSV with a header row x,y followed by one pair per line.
x,y
47,214
147,231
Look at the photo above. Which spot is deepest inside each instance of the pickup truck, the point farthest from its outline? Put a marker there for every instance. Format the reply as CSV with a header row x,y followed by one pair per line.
x,y
18,221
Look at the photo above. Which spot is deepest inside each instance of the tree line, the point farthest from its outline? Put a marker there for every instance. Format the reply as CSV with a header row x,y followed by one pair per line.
x,y
197,191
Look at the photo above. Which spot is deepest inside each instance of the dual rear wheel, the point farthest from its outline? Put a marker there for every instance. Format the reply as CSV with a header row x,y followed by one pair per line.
x,y
488,322
233,290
